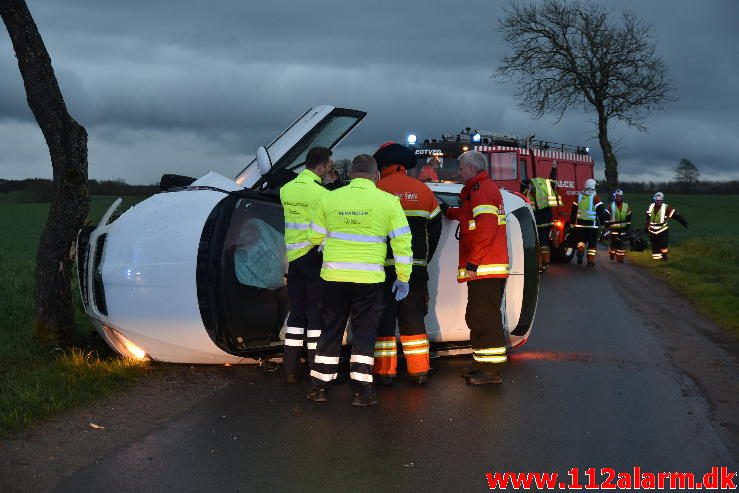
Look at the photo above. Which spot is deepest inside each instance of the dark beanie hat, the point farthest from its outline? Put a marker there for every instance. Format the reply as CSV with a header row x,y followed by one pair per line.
x,y
391,153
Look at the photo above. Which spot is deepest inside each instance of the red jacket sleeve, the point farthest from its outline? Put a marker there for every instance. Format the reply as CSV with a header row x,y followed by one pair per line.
x,y
485,210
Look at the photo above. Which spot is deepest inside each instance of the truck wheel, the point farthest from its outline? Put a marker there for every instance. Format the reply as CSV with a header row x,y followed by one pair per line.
x,y
564,253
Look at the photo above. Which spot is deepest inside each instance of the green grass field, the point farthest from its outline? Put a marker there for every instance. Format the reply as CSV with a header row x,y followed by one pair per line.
x,y
704,259
36,382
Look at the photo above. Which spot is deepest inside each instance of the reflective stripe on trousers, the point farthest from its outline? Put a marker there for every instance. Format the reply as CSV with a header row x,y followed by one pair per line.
x,y
386,356
416,352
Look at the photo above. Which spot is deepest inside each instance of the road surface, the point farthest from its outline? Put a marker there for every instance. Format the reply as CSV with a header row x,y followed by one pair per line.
x,y
592,388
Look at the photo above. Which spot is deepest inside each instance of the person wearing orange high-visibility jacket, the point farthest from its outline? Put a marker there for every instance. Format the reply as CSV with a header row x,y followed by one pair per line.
x,y
657,225
300,198
483,265
424,218
355,221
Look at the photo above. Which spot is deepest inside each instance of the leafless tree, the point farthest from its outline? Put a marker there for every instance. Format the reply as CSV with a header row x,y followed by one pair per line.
x,y
70,202
686,174
568,54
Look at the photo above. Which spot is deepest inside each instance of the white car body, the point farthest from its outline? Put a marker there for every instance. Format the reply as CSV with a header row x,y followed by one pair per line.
x,y
173,278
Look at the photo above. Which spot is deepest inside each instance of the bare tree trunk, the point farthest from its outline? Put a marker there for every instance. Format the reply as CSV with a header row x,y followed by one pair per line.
x,y
70,202
609,158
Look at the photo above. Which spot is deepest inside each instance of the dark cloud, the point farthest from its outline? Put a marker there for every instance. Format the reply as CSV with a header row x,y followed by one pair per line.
x,y
191,86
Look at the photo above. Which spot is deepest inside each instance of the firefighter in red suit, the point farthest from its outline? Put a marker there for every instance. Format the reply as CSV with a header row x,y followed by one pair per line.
x,y
424,218
483,265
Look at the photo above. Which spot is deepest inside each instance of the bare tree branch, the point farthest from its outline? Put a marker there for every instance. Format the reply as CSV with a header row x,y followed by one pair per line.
x,y
579,55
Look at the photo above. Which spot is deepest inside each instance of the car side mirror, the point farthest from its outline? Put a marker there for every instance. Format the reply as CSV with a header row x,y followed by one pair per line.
x,y
264,163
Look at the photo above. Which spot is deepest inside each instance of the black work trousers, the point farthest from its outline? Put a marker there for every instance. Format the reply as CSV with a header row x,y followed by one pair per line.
x,y
544,219
484,318
411,310
305,322
659,243
342,300
587,238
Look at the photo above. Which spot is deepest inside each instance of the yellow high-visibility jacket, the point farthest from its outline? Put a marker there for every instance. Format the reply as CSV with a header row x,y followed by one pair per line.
x,y
544,194
300,199
355,221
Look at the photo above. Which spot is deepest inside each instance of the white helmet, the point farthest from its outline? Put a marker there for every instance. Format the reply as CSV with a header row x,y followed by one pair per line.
x,y
658,196
589,188
618,193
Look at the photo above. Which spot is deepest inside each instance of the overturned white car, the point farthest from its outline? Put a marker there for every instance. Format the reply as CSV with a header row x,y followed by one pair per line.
x,y
196,274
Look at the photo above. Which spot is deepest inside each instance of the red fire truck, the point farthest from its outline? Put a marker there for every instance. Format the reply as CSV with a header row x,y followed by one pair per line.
x,y
511,160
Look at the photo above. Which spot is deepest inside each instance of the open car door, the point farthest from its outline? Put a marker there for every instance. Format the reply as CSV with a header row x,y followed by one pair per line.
x,y
323,126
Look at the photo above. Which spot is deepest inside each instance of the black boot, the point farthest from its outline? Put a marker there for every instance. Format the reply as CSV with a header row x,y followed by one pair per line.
x,y
383,379
485,377
468,371
420,378
318,394
364,396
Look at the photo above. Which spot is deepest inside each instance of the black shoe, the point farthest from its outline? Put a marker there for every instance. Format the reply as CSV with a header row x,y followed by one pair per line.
x,y
364,397
383,379
421,378
484,377
468,371
318,394
591,264
291,378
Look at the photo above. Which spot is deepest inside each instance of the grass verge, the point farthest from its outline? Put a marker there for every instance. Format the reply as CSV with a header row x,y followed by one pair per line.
x,y
47,383
38,382
704,270
704,259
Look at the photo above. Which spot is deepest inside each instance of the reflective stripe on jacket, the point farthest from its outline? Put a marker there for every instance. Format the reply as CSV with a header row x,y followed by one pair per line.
x,y
586,211
482,229
355,221
421,209
300,198
658,219
544,195
620,217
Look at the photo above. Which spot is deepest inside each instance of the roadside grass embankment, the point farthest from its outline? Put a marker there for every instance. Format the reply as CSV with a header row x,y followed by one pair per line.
x,y
36,381
703,261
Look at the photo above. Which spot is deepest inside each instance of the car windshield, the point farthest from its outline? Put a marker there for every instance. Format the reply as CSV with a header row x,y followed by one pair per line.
x,y
439,168
326,134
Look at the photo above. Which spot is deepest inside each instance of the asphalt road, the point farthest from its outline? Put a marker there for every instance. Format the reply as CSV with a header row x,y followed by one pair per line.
x,y
592,388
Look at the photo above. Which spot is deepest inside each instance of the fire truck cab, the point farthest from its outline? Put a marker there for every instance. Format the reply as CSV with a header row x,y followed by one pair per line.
x,y
511,160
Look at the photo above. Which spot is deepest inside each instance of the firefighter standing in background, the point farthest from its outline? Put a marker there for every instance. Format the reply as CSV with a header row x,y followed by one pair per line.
x,y
619,224
483,265
300,198
586,215
428,170
658,215
424,218
542,193
355,221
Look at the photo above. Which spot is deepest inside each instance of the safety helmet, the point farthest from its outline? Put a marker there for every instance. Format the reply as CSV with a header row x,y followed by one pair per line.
x,y
658,196
589,188
618,193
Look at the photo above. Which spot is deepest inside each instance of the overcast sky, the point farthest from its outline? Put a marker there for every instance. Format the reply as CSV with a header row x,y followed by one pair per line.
x,y
192,86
